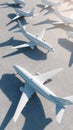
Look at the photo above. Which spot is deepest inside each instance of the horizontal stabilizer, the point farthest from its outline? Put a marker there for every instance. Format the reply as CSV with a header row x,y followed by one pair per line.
x,y
59,113
69,98
62,104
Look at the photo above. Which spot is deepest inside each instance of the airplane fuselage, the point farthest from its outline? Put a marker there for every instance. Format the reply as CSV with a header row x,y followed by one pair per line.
x,y
38,41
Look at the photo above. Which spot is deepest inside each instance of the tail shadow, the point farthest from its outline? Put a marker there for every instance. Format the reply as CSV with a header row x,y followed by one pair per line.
x,y
69,46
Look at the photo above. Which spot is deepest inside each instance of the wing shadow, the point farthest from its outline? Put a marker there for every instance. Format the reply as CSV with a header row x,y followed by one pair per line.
x,y
34,115
12,42
22,20
69,46
12,15
35,54
10,87
47,21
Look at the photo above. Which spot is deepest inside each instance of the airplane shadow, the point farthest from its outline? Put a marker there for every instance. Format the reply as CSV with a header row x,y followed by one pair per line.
x,y
49,9
12,15
6,5
22,20
35,54
69,46
10,84
47,21
33,112
42,7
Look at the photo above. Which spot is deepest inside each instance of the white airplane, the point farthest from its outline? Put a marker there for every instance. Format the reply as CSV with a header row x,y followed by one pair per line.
x,y
70,34
49,3
34,40
36,84
65,19
19,2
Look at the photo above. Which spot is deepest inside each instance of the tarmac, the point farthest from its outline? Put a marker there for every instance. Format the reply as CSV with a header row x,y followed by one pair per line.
x,y
39,113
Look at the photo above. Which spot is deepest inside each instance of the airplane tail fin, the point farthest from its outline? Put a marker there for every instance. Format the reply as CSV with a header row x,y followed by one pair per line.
x,y
65,102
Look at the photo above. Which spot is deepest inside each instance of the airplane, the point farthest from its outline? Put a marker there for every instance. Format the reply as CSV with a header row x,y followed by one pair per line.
x,y
19,2
49,3
65,19
21,13
70,34
36,84
34,40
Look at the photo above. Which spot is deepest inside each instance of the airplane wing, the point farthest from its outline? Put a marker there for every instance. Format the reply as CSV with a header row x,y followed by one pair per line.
x,y
27,93
29,44
21,46
16,17
45,76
